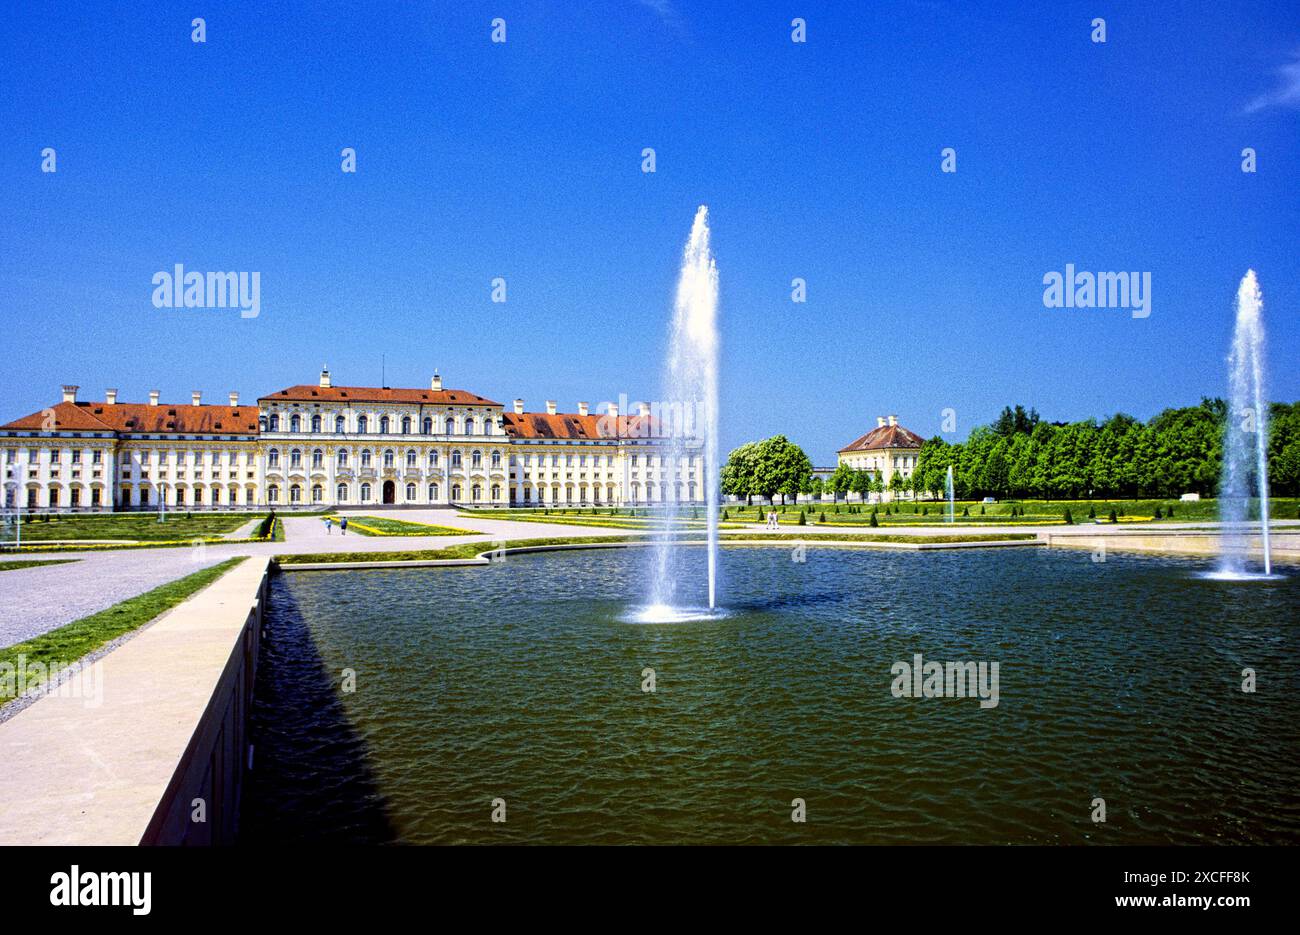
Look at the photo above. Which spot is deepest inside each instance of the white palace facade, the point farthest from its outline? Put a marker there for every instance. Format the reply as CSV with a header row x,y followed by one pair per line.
x,y
317,446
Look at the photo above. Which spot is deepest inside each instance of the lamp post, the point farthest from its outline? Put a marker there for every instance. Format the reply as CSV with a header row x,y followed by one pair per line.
x,y
162,501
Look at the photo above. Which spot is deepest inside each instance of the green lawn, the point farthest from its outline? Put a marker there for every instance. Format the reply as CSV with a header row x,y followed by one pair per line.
x,y
909,513
382,526
72,641
134,526
30,563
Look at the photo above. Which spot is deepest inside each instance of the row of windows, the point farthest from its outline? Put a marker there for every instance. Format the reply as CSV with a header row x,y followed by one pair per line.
x,y
366,491
383,425
56,456
389,458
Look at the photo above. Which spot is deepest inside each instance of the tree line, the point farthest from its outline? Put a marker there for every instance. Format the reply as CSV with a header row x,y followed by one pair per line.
x,y
1022,456
1177,451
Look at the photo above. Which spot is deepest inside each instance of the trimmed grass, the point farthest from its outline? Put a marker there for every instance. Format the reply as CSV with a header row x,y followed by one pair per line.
x,y
463,550
383,526
472,549
1033,512
31,563
140,527
72,641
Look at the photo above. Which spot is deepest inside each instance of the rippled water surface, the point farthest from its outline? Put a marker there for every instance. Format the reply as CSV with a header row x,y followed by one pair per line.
x,y
523,682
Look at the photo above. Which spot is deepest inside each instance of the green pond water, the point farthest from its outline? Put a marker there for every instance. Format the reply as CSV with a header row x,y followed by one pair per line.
x,y
523,682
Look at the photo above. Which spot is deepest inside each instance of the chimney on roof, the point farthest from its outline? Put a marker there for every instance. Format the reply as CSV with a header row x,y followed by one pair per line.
x,y
234,400
70,393
643,409
612,409
519,407
196,397
582,409
550,407
893,420
110,397
153,397
436,382
880,422
324,377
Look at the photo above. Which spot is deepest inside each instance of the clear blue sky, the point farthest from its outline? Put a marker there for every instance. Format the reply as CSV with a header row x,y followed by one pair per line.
x,y
818,160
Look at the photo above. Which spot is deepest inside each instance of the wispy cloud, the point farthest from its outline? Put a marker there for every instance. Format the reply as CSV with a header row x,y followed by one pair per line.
x,y
666,12
1286,93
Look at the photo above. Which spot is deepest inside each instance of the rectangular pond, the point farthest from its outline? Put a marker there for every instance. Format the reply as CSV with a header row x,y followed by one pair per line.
x,y
521,683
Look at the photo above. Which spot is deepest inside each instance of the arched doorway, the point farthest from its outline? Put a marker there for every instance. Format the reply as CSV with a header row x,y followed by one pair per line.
x,y
390,492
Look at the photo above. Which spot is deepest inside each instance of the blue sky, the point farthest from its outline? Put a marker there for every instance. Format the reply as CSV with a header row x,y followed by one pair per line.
x,y
522,160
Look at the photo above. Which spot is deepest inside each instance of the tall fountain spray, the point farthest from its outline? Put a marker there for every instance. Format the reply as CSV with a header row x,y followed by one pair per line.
x,y
948,490
1245,443
688,415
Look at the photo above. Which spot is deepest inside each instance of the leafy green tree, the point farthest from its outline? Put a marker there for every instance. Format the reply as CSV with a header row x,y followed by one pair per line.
x,y
737,476
780,467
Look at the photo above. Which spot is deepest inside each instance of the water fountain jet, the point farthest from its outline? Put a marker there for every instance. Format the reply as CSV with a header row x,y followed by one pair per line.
x,y
689,420
1245,443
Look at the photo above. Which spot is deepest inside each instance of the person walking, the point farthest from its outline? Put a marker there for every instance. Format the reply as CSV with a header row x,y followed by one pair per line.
x,y
343,526
329,525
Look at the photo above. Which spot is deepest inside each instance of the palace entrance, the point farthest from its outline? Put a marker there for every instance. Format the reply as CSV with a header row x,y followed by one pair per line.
x,y
390,492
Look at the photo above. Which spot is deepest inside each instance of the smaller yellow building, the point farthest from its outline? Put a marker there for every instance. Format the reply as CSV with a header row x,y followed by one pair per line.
x,y
887,449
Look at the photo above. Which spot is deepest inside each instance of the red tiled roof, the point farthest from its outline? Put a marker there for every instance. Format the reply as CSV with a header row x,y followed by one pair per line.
x,y
377,394
142,418
567,425
886,436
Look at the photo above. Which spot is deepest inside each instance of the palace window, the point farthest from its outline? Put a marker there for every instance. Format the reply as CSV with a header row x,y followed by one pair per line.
x,y
496,492
410,458
476,459
76,455
341,493
272,458
383,425
469,426
343,457
362,424
455,491
427,427
295,459
315,423
496,459
451,425
455,459
433,459
274,424
476,492
406,425
433,492
388,458
317,493
272,494
295,423
317,458
365,458
180,496
410,493
339,423
295,494
365,493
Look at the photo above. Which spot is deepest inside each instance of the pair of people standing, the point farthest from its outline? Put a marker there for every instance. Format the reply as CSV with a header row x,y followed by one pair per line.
x,y
343,525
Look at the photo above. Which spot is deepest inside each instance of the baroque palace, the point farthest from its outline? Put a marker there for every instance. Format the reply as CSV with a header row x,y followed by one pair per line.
x,y
321,445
